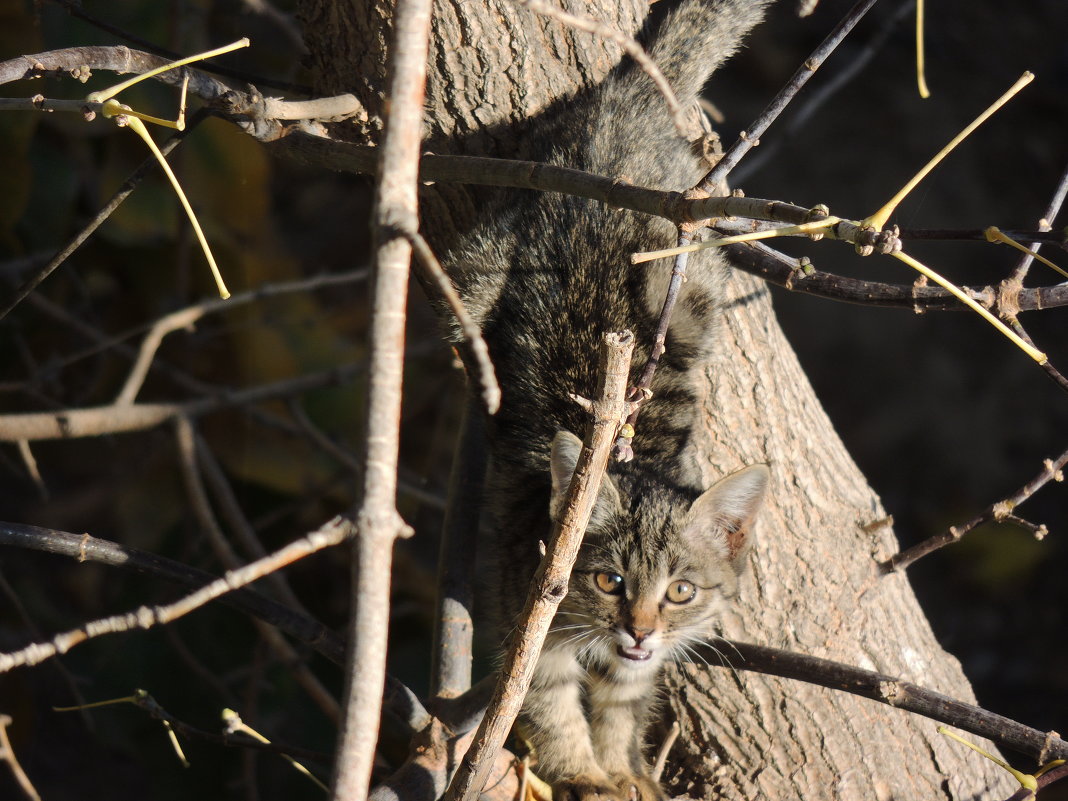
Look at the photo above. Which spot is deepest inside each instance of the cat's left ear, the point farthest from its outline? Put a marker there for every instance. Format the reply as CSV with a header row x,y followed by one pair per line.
x,y
725,513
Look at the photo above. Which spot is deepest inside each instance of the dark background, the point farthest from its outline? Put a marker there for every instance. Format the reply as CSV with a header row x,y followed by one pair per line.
x,y
941,413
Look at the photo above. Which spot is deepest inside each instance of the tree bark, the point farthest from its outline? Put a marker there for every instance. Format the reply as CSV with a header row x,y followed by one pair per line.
x,y
814,586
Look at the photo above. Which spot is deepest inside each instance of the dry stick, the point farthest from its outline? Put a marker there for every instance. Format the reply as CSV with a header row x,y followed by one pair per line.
x,y
187,317
1001,510
450,660
748,138
123,192
817,98
457,713
475,354
378,522
1045,224
7,754
211,471
674,206
85,548
629,45
622,451
550,582
332,533
99,420
15,603
893,691
190,468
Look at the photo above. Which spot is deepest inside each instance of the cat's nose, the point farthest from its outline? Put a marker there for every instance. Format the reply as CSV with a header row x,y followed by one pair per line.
x,y
639,633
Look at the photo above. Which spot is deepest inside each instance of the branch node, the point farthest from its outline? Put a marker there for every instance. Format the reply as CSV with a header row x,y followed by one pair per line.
x,y
584,403
1003,509
1055,473
892,692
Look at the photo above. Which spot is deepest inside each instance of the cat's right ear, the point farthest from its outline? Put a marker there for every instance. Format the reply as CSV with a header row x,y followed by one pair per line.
x,y
725,513
562,460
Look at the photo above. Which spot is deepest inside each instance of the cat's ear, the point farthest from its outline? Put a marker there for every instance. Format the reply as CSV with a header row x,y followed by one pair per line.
x,y
562,460
725,513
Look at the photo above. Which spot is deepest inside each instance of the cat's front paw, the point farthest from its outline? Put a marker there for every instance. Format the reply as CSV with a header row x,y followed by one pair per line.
x,y
588,788
639,788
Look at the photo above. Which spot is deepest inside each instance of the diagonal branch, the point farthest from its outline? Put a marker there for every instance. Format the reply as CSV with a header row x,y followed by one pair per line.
x,y
550,582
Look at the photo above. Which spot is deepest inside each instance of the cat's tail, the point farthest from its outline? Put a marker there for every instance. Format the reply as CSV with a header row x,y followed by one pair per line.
x,y
629,131
698,37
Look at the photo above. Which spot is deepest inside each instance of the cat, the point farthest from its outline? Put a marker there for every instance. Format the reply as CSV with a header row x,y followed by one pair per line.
x,y
545,276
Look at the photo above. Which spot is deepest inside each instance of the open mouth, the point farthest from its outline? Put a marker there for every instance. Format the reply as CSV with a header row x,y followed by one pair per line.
x,y
635,654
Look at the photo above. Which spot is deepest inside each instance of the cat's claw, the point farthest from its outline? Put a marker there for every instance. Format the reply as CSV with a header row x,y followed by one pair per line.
x,y
583,788
640,788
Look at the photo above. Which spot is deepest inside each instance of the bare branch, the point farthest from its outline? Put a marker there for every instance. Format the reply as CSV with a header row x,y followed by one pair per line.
x,y
99,420
751,136
189,463
378,522
893,691
1051,471
229,588
550,582
475,353
1045,224
123,192
450,671
7,754
187,317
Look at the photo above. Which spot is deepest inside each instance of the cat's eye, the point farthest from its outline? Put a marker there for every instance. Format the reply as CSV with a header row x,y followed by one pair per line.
x,y
611,583
680,592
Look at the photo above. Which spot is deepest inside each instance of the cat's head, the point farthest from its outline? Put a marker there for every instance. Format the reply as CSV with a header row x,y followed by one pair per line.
x,y
656,563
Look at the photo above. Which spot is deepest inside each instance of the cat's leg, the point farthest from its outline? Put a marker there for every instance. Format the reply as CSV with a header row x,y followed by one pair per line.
x,y
557,727
619,708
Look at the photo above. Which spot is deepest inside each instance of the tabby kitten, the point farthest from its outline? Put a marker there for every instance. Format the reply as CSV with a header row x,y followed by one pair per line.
x,y
545,276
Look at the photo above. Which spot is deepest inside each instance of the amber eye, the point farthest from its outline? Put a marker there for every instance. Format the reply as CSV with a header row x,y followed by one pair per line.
x,y
611,583
680,592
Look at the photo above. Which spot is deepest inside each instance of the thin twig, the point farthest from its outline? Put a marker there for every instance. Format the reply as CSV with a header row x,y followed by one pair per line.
x,y
819,97
7,754
190,467
99,420
378,522
751,137
890,690
451,651
75,8
550,582
1051,471
1045,224
123,192
622,452
188,317
332,533
475,354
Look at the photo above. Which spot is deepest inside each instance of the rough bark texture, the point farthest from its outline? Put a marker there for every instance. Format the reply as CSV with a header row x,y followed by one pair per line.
x,y
814,587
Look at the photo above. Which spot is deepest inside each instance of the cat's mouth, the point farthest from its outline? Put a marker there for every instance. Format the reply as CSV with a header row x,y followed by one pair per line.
x,y
636,654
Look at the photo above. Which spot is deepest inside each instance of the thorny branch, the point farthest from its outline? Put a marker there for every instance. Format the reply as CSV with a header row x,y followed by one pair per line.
x,y
550,582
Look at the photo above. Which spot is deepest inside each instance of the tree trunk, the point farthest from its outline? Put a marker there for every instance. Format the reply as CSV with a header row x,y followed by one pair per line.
x,y
815,587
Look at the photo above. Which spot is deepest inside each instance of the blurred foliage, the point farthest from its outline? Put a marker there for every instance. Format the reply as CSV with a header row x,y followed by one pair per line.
x,y
942,416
